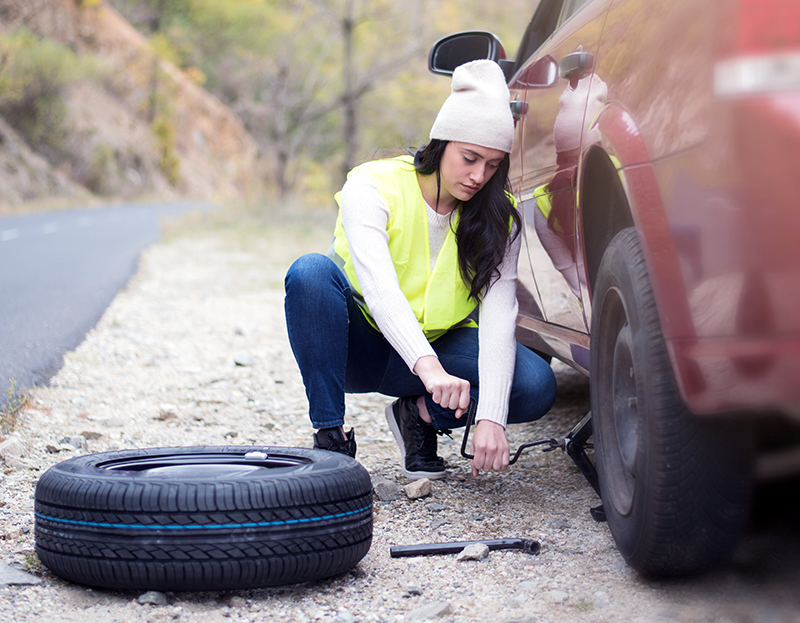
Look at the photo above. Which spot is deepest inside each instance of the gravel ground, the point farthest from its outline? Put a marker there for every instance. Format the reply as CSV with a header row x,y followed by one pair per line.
x,y
161,369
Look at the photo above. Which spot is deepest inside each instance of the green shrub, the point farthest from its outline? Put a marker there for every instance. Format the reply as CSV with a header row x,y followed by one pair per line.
x,y
33,75
168,163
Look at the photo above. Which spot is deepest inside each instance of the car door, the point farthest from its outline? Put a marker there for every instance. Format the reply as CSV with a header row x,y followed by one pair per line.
x,y
552,138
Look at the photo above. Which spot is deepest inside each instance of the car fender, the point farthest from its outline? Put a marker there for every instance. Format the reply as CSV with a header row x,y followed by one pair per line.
x,y
623,144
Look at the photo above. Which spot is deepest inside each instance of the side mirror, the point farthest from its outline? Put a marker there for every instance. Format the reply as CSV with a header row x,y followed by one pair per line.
x,y
454,50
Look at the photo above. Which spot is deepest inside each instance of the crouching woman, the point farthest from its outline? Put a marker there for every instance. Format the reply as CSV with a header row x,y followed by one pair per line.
x,y
420,243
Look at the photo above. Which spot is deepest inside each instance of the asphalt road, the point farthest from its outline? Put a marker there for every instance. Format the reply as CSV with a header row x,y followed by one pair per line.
x,y
60,270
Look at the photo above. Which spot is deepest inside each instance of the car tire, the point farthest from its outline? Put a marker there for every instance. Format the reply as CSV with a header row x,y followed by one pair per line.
x,y
675,487
203,518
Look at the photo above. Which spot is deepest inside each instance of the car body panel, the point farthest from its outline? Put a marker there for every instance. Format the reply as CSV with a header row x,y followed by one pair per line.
x,y
711,190
681,119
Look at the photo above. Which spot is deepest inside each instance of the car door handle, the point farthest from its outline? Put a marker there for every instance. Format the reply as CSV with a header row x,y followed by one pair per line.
x,y
576,65
519,108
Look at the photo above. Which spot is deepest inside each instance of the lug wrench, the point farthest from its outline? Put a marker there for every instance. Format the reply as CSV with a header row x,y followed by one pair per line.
x,y
528,546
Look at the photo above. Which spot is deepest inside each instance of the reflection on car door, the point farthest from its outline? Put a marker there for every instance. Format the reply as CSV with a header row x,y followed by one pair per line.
x,y
553,136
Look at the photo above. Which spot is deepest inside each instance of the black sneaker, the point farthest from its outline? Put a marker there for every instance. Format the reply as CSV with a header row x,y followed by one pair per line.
x,y
416,439
333,440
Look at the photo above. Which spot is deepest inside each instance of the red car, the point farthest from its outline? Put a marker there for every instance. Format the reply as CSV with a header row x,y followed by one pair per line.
x,y
657,163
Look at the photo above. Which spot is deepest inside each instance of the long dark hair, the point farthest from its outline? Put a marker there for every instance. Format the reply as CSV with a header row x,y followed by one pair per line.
x,y
483,223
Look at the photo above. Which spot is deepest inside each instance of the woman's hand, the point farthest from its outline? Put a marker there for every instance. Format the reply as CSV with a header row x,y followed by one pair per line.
x,y
489,447
448,391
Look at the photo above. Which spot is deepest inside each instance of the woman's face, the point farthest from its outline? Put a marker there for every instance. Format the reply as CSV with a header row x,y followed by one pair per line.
x,y
465,168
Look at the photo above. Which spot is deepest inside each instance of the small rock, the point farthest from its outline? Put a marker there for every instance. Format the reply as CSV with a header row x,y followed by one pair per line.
x,y
244,360
167,412
12,448
76,441
600,599
343,616
474,551
90,435
237,602
154,598
434,506
558,524
429,611
476,517
414,589
557,596
438,523
385,490
12,463
14,577
418,489
522,618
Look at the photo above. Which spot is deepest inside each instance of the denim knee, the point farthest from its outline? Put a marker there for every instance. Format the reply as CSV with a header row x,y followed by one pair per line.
x,y
534,388
309,269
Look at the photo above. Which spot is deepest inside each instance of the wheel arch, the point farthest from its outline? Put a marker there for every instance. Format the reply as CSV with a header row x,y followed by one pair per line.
x,y
605,210
617,179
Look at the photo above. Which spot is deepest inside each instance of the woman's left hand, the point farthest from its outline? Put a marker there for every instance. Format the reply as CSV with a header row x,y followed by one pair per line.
x,y
489,447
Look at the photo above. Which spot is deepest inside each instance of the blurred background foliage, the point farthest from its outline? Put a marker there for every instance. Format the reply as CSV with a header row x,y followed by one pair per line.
x,y
321,85
33,75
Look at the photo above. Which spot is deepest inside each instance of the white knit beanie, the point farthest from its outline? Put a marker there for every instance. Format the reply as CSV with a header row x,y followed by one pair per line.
x,y
477,110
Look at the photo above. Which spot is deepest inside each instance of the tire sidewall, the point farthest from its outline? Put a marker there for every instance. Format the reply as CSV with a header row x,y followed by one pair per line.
x,y
648,351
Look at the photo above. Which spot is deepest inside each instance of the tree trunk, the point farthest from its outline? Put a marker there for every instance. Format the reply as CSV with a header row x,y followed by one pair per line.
x,y
349,99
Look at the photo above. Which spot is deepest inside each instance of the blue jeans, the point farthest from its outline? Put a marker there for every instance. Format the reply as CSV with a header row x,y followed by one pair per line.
x,y
339,351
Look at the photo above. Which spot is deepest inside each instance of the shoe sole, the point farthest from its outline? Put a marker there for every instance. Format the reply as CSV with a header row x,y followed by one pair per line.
x,y
392,421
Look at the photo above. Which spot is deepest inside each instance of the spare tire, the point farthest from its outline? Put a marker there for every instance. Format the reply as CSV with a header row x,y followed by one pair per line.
x,y
203,518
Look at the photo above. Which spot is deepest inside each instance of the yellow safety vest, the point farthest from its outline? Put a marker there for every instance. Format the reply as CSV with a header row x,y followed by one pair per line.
x,y
439,297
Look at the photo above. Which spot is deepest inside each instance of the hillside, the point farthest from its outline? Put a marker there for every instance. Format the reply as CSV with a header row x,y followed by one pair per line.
x,y
115,139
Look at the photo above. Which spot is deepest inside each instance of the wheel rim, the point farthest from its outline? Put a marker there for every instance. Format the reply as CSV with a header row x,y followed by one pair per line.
x,y
622,414
203,464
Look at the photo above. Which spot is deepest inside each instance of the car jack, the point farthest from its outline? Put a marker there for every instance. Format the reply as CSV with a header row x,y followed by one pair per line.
x,y
574,444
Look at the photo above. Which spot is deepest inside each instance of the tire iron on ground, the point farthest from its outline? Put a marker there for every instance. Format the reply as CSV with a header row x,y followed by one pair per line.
x,y
426,549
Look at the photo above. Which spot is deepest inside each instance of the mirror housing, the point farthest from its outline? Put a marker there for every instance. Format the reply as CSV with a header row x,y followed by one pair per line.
x,y
454,50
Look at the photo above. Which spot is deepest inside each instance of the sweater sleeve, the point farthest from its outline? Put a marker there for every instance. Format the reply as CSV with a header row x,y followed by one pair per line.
x,y
365,217
496,340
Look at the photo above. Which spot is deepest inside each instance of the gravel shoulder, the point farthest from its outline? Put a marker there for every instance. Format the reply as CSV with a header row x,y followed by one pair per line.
x,y
161,369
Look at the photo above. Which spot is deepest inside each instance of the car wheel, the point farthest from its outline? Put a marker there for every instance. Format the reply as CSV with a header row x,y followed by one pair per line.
x,y
203,518
675,487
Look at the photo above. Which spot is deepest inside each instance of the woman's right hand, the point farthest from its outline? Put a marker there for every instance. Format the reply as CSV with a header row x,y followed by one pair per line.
x,y
448,391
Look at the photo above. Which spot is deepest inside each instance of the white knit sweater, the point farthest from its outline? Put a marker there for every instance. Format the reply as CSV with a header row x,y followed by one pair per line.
x,y
365,216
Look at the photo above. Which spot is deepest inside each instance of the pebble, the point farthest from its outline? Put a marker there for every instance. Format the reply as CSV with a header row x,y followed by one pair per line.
x,y
154,598
343,616
557,596
418,489
13,463
9,576
473,551
12,448
435,506
244,360
386,490
76,441
429,611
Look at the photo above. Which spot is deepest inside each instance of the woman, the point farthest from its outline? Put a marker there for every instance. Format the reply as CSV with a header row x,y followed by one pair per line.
x,y
419,244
